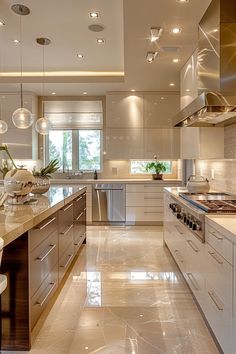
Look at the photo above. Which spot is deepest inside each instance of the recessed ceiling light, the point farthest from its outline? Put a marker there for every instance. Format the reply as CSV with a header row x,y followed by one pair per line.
x,y
175,60
16,41
2,23
172,84
162,98
156,33
80,56
100,40
133,90
182,1
215,30
53,93
176,30
187,90
150,57
84,93
94,14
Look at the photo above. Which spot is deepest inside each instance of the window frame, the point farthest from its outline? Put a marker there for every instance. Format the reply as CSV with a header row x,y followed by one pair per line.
x,y
75,150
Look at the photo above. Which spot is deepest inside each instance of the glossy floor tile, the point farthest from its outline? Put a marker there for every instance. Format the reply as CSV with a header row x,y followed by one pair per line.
x,y
124,295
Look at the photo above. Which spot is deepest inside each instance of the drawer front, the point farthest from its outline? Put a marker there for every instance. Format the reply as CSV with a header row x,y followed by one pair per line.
x,y
41,298
42,231
219,275
144,199
140,214
65,217
79,204
144,188
79,230
42,260
219,243
65,260
66,238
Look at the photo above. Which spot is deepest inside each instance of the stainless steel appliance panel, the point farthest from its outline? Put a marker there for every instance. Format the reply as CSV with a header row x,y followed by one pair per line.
x,y
108,203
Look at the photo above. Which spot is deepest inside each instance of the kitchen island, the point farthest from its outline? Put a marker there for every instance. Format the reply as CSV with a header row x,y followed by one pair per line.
x,y
41,241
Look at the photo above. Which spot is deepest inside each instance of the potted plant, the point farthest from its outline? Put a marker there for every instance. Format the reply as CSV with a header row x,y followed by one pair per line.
x,y
157,167
6,166
42,177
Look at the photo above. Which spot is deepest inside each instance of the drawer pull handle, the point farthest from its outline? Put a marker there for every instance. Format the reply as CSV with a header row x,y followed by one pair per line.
x,y
193,281
46,224
78,217
85,209
67,207
66,232
151,212
78,199
179,257
45,253
220,238
152,198
192,245
68,261
215,257
41,302
179,230
215,300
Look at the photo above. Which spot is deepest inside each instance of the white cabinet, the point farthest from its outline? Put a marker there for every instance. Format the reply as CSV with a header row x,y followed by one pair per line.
x,y
188,81
124,111
164,143
124,144
144,203
159,110
202,143
22,143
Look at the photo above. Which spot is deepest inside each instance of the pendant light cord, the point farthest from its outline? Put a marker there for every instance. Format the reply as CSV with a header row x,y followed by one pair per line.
x,y
21,65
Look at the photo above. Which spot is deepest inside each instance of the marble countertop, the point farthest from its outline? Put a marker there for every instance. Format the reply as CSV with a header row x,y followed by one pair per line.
x,y
225,224
15,220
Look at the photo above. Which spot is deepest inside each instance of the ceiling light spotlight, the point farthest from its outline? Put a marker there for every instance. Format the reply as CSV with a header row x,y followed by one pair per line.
x,y
84,93
2,23
175,60
182,1
80,56
156,33
172,84
16,41
132,90
94,14
176,30
150,57
100,40
53,93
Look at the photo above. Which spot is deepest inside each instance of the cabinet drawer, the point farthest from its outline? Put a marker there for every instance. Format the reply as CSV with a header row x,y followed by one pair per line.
x,y
139,214
42,260
65,261
79,230
43,295
42,231
65,239
144,199
145,188
65,217
219,243
79,205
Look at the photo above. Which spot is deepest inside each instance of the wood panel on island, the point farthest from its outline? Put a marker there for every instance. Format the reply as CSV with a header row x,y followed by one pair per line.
x,y
35,264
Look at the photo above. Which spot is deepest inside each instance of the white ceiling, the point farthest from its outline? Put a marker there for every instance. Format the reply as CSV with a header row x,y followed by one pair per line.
x,y
126,34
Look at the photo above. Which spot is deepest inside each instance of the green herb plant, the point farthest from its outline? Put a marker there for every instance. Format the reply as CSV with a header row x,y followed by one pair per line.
x,y
157,166
52,167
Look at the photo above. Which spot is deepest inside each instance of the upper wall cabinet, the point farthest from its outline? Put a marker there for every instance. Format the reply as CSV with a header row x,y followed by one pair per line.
x,y
22,143
202,143
164,143
188,81
159,110
124,111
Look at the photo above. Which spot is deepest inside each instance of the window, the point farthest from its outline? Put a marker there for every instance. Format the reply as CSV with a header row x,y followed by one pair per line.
x,y
75,149
139,167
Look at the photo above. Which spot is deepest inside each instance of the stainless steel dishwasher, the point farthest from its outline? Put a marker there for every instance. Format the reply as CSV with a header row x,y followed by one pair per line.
x,y
108,203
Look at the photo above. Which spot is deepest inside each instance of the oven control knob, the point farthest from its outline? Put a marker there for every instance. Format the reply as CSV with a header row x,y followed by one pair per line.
x,y
179,216
194,226
190,224
185,219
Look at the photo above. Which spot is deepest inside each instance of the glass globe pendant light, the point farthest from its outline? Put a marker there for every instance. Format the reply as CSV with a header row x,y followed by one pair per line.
x,y
3,124
22,118
42,125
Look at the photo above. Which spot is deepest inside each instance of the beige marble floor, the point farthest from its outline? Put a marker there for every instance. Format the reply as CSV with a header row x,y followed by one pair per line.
x,y
124,295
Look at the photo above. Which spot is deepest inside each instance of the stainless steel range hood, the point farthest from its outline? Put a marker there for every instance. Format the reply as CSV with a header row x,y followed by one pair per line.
x,y
216,69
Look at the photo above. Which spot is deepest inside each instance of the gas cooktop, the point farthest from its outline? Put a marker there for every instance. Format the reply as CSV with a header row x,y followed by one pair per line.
x,y
212,202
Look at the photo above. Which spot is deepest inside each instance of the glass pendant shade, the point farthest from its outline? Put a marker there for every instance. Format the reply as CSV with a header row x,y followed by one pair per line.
x,y
22,118
3,127
42,126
